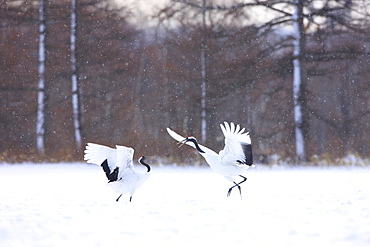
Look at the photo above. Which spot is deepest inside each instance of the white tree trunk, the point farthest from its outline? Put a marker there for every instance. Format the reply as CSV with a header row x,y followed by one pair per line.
x,y
203,71
40,122
249,106
75,86
297,81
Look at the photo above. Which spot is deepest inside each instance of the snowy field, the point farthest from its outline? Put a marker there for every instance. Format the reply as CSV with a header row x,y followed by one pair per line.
x,y
69,205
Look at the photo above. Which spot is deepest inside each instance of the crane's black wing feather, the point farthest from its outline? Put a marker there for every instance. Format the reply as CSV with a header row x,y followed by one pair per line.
x,y
112,176
247,150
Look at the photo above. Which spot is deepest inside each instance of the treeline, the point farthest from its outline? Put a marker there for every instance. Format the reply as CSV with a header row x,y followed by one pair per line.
x,y
134,81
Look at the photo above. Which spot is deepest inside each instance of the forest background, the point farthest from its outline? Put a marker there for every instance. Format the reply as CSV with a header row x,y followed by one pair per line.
x,y
135,77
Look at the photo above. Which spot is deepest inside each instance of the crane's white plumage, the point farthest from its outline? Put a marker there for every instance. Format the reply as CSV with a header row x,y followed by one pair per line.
x,y
235,142
233,160
118,167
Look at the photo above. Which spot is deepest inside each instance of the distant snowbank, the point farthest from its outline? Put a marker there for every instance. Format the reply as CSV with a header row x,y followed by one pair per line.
x,y
271,162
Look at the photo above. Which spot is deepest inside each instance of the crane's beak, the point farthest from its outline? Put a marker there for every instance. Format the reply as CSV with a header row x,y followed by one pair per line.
x,y
182,142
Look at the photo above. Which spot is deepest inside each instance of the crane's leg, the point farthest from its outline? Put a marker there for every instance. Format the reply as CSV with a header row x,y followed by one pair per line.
x,y
232,187
237,185
118,198
244,179
130,198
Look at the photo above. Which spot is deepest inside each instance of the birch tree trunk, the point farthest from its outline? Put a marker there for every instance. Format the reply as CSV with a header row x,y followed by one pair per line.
x,y
203,71
298,60
75,85
249,106
40,122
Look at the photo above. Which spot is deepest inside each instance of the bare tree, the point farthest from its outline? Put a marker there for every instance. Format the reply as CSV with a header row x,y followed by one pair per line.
x,y
299,77
336,12
203,72
203,58
40,124
75,84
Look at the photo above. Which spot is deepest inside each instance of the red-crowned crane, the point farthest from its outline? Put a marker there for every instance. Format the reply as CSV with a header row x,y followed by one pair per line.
x,y
118,167
233,160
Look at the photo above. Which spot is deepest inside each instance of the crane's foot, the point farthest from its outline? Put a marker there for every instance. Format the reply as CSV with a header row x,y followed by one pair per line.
x,y
232,187
118,198
229,191
237,185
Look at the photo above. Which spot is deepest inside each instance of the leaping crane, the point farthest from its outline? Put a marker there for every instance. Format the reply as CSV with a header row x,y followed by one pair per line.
x,y
233,160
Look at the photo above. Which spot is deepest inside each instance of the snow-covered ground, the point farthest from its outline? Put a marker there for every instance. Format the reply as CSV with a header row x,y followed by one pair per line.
x,y
69,205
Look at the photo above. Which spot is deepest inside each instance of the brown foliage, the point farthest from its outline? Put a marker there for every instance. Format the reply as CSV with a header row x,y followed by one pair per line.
x,y
133,86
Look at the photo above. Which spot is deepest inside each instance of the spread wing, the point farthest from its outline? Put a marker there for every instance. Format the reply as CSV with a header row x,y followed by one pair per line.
x,y
115,162
97,154
180,138
104,156
238,146
124,157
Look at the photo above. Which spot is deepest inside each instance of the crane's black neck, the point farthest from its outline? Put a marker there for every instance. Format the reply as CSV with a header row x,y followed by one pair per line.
x,y
141,161
193,140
